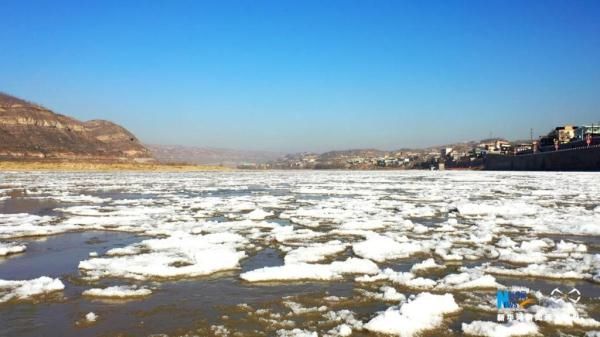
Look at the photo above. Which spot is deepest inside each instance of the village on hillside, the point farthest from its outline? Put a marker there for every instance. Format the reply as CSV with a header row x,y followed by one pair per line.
x,y
463,155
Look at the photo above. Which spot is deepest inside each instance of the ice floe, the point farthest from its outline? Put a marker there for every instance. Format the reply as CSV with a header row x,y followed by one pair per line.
x,y
180,255
296,333
7,248
315,252
91,317
494,329
560,312
118,292
424,312
387,294
426,264
308,271
380,248
27,289
24,225
258,214
459,230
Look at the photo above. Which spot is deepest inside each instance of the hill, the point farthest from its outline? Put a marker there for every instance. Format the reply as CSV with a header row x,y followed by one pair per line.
x,y
31,132
208,156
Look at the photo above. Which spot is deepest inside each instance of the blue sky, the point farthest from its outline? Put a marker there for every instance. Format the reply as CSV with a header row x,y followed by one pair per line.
x,y
308,75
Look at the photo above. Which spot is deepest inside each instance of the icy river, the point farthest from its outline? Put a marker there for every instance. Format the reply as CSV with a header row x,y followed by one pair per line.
x,y
298,253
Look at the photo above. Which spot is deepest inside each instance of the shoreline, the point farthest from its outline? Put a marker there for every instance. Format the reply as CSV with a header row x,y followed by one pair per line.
x,y
106,167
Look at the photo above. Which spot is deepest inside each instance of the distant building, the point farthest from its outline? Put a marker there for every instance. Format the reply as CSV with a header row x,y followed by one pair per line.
x,y
585,130
564,134
496,146
524,147
445,152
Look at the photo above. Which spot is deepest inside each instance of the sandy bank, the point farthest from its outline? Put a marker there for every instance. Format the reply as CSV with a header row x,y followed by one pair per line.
x,y
83,166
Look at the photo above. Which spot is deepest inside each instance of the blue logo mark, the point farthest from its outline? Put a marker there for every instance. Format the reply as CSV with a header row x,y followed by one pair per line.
x,y
510,299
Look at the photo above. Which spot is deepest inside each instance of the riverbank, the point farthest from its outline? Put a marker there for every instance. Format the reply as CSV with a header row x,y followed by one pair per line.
x,y
105,167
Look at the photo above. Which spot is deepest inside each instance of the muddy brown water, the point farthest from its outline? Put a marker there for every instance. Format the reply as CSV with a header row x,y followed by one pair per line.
x,y
190,306
176,307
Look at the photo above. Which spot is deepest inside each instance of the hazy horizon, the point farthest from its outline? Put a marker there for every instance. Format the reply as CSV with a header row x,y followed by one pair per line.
x,y
309,76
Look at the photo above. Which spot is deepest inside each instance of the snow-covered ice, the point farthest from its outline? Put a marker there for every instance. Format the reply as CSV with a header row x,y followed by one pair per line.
x,y
426,264
494,329
91,317
180,255
27,289
390,236
424,312
7,248
118,292
309,271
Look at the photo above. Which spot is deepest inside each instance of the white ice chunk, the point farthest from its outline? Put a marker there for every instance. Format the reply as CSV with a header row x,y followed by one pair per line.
x,y
506,209
181,255
424,312
560,312
307,271
26,289
91,317
426,264
380,248
258,214
493,329
296,333
11,248
118,291
315,252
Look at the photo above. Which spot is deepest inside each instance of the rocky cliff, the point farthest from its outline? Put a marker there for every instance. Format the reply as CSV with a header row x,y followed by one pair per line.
x,y
29,131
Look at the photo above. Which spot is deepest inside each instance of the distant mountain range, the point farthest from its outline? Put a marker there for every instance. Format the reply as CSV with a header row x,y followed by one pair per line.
x,y
209,156
31,132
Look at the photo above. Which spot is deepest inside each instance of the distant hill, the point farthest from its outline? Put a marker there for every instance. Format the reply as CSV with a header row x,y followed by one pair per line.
x,y
209,156
369,153
29,131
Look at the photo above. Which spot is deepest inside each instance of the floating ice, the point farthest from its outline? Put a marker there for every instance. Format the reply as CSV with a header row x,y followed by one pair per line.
x,y
380,248
307,271
91,317
401,278
258,214
388,294
118,292
315,252
505,209
296,333
560,312
11,248
497,223
424,312
348,320
26,289
468,279
23,225
493,329
426,264
585,267
181,255
298,309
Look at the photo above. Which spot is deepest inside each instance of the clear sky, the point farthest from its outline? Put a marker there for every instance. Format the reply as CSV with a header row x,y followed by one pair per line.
x,y
308,75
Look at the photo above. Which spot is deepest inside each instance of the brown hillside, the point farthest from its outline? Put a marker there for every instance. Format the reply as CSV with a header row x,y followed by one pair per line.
x,y
30,131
